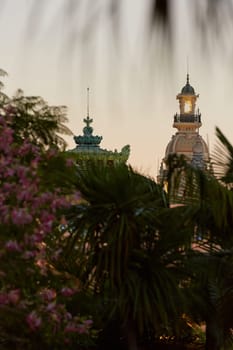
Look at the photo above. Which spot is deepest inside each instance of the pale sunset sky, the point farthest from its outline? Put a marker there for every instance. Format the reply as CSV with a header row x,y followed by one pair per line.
x,y
133,77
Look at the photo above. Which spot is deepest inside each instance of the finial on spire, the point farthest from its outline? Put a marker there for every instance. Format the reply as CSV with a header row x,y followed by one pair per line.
x,y
88,120
88,102
187,69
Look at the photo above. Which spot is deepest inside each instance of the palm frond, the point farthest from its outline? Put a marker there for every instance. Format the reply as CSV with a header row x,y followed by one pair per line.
x,y
223,158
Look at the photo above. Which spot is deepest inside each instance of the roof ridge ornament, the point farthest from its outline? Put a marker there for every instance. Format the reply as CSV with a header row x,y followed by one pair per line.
x,y
88,145
88,139
88,121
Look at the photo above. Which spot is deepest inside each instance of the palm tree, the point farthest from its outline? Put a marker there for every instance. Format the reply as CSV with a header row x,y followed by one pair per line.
x,y
127,245
208,200
223,159
159,11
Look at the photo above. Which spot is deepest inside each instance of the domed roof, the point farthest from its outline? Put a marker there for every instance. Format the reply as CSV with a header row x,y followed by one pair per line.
x,y
187,144
188,89
198,146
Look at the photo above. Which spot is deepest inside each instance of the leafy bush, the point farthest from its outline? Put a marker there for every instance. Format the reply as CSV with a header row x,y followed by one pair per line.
x,y
34,296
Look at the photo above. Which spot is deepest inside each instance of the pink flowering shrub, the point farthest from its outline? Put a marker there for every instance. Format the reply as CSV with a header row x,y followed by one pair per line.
x,y
33,294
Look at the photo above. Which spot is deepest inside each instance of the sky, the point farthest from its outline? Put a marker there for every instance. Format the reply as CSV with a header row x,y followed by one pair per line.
x,y
133,74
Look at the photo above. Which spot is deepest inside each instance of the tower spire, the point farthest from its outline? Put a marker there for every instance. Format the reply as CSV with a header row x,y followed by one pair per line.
x,y
88,102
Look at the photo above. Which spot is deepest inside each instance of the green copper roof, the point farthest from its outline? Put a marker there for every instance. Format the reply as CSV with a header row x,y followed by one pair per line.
x,y
188,89
88,147
87,140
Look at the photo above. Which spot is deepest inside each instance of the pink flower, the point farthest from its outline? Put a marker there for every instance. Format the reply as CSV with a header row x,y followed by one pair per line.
x,y
58,203
67,292
37,237
88,322
12,246
22,171
69,162
68,316
20,216
66,234
34,163
47,221
71,328
6,139
63,220
51,306
55,316
82,329
52,152
9,172
75,198
56,254
24,149
33,321
44,198
8,187
26,193
48,294
3,299
14,296
29,254
42,264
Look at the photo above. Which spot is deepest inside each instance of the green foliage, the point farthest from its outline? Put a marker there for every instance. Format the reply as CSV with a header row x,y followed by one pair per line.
x,y
208,201
140,263
127,245
37,121
36,185
223,159
33,119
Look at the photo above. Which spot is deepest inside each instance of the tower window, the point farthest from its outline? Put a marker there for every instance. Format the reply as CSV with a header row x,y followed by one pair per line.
x,y
187,107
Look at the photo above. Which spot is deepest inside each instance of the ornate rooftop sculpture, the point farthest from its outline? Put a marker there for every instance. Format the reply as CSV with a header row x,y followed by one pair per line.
x,y
88,146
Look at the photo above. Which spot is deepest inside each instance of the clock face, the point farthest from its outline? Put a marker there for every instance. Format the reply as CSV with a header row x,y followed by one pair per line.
x,y
187,107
